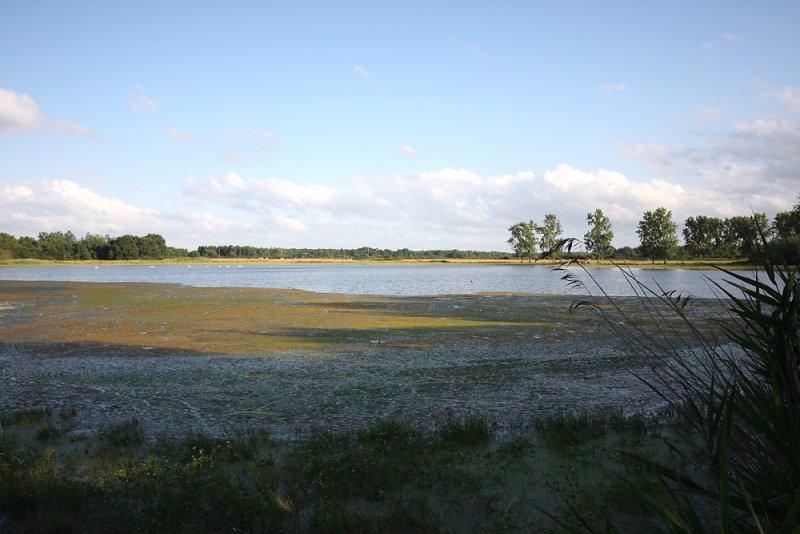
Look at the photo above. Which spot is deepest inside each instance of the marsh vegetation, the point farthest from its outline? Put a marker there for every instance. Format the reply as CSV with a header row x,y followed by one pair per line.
x,y
494,433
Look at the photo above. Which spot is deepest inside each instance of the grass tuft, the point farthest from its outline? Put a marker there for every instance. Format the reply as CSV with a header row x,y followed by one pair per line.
x,y
467,430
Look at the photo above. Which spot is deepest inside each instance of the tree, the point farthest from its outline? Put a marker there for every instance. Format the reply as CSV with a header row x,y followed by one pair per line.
x,y
744,235
152,246
550,233
8,246
703,235
787,223
124,247
57,245
598,238
97,245
657,234
523,239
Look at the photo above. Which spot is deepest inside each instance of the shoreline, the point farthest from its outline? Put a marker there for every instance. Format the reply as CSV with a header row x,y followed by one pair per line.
x,y
588,263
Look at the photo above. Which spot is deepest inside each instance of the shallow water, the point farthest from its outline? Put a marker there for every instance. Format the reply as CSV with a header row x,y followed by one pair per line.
x,y
510,358
292,393
383,279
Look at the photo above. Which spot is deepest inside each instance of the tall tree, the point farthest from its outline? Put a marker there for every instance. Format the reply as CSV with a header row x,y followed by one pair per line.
x,y
657,234
787,223
550,233
8,246
523,239
152,246
598,238
124,247
56,245
703,235
743,234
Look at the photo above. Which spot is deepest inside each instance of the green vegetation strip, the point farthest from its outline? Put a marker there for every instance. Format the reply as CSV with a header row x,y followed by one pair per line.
x,y
387,477
250,321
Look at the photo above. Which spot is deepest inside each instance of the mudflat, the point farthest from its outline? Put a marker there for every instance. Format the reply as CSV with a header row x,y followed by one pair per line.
x,y
212,360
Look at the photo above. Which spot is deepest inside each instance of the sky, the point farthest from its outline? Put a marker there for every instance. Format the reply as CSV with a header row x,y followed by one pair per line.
x,y
421,125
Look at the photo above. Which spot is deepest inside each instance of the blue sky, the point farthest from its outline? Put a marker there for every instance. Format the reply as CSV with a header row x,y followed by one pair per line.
x,y
416,124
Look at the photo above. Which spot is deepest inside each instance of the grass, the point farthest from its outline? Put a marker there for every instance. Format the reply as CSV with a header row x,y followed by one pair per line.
x,y
736,390
388,476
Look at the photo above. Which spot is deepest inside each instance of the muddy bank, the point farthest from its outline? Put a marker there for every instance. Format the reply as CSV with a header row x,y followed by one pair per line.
x,y
213,360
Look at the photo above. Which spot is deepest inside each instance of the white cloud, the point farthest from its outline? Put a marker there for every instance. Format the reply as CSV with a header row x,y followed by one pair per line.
x,y
614,88
60,205
362,71
653,155
139,101
289,223
407,150
178,135
20,113
707,44
457,207
790,98
731,38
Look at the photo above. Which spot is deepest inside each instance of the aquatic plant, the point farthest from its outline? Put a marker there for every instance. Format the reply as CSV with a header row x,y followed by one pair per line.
x,y
736,386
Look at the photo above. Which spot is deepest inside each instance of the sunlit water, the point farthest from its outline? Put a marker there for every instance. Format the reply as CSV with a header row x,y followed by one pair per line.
x,y
383,279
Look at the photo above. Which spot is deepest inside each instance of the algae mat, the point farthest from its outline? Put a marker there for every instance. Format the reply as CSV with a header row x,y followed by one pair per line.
x,y
216,359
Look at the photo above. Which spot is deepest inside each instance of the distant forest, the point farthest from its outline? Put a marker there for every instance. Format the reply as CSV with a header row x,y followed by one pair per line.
x,y
65,246
739,237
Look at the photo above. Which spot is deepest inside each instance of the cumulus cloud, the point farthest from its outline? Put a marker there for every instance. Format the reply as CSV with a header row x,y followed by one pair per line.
x,y
20,113
60,205
407,150
362,71
139,101
289,223
457,207
790,98
752,159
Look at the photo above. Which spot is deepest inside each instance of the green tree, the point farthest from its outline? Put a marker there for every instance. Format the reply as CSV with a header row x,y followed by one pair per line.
x,y
124,247
744,234
523,239
27,247
787,223
57,245
8,246
152,246
550,233
598,238
703,235
97,245
657,234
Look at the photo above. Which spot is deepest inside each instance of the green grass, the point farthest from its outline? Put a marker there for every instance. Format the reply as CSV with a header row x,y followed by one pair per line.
x,y
389,476
22,417
736,390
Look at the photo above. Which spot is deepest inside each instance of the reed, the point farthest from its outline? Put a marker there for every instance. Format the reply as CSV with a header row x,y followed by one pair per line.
x,y
736,387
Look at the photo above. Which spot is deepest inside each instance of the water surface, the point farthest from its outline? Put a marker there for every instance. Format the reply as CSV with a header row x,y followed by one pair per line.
x,y
391,279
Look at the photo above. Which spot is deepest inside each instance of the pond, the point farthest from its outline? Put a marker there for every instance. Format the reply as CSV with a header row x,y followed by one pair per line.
x,y
393,279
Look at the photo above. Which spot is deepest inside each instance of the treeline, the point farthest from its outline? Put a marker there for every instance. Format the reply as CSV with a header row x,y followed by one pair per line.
x,y
362,253
65,246
740,237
